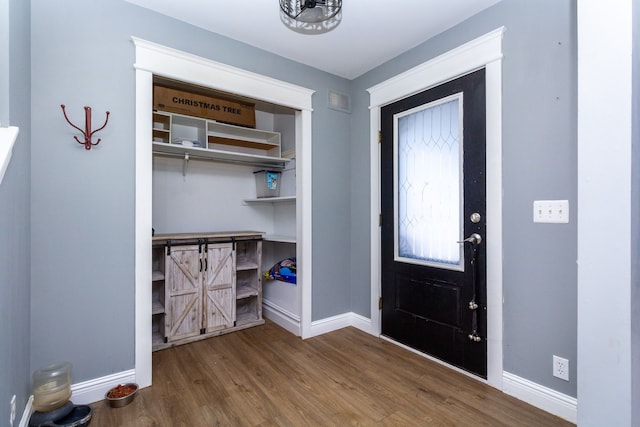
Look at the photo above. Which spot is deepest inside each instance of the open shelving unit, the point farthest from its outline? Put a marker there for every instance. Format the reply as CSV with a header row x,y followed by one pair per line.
x,y
199,138
157,296
248,281
269,143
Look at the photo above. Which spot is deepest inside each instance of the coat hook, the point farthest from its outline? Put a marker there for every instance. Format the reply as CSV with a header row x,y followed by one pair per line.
x,y
185,165
87,132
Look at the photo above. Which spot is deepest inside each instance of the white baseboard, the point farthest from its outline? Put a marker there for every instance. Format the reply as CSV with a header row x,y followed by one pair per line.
x,y
362,323
94,390
26,414
541,397
340,321
281,317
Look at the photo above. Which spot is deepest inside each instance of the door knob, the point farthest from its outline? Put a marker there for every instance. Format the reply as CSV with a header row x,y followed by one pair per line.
x,y
474,239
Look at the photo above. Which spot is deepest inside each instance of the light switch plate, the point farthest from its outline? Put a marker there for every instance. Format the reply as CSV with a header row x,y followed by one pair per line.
x,y
551,211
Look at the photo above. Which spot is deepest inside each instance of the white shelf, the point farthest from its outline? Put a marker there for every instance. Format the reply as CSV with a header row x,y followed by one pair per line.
x,y
157,275
262,139
206,154
283,199
280,238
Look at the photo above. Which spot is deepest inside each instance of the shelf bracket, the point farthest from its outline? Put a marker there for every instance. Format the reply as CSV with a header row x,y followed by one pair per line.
x,y
185,165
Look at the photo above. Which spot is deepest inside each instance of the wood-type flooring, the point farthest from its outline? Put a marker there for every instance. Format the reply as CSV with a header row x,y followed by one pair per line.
x,y
265,376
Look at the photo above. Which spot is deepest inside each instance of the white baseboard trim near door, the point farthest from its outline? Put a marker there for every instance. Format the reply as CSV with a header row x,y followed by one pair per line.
x,y
340,321
26,414
542,397
93,390
281,317
362,323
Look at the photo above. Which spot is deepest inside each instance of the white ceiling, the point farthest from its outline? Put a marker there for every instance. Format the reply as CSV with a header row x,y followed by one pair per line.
x,y
371,32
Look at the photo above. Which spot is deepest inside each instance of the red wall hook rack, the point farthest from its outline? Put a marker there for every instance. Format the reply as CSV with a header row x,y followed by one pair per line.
x,y
87,132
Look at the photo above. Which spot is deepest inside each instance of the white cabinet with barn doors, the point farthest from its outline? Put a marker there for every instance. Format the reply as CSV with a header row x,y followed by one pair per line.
x,y
205,284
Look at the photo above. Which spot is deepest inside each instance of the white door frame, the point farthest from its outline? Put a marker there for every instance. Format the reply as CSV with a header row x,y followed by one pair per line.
x,y
154,59
483,52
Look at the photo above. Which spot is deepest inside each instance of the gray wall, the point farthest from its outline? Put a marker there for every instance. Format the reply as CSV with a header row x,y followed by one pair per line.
x,y
4,62
539,162
635,227
15,292
83,201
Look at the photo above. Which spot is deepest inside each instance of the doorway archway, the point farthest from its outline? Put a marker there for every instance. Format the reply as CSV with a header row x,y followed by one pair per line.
x,y
154,59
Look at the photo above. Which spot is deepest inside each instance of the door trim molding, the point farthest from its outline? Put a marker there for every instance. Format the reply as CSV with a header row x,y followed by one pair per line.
x,y
152,58
484,51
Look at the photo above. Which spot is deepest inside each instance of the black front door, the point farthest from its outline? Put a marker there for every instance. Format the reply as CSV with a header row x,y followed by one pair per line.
x,y
433,222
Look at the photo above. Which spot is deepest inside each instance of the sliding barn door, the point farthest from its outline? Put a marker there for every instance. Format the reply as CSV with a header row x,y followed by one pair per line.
x,y
219,303
183,292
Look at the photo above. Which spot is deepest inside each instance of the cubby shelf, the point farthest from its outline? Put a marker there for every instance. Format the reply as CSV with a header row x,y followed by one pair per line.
x,y
245,292
218,141
246,265
157,307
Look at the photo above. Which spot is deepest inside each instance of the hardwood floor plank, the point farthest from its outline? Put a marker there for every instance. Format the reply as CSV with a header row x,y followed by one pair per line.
x,y
265,376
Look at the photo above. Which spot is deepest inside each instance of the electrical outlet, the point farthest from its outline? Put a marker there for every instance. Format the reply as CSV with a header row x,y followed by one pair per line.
x,y
12,415
555,211
561,368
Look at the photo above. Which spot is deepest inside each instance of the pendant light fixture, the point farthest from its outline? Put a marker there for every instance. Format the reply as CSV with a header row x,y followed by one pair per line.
x,y
311,16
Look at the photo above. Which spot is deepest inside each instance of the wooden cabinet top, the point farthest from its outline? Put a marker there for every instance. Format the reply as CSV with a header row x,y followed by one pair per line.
x,y
212,235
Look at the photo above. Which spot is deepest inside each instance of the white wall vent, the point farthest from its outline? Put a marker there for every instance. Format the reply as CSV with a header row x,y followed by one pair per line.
x,y
339,101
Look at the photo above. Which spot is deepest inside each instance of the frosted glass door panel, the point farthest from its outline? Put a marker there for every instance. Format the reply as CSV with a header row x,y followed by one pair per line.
x,y
428,184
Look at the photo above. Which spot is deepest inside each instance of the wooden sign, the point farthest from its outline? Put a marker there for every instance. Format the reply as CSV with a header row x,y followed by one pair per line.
x,y
209,107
